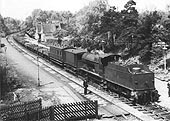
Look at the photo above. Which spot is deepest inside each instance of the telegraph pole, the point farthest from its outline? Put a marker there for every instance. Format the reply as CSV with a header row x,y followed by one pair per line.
x,y
38,40
164,52
0,43
163,45
38,83
38,80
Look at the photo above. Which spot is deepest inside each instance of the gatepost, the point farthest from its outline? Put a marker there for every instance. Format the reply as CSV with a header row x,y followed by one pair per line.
x,y
51,113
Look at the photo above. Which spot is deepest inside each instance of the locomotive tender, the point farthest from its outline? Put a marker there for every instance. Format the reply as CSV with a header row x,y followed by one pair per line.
x,y
103,70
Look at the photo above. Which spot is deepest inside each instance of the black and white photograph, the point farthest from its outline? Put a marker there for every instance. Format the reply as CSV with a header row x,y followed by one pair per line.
x,y
84,60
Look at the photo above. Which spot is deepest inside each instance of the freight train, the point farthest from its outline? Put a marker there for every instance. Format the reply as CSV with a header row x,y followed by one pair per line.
x,y
103,70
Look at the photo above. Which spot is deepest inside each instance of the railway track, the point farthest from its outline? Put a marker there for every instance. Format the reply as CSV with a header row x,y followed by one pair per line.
x,y
118,114
110,98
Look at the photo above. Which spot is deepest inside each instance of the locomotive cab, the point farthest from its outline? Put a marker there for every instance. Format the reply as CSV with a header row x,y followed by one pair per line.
x,y
96,62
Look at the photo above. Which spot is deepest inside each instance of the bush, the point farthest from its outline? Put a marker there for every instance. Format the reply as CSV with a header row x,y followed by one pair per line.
x,y
8,79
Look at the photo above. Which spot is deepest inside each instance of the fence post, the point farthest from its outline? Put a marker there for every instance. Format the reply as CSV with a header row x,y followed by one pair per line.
x,y
6,116
51,113
26,113
96,108
64,105
85,103
39,109
40,102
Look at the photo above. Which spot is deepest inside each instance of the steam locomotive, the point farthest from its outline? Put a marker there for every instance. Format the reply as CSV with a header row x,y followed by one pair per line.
x,y
104,70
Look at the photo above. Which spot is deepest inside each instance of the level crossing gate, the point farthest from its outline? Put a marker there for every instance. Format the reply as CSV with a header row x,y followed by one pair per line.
x,y
33,111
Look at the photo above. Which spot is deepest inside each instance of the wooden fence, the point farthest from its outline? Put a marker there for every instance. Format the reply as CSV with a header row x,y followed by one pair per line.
x,y
33,111
76,111
20,111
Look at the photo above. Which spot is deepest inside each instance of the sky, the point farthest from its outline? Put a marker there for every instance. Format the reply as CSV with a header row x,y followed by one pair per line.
x,y
20,9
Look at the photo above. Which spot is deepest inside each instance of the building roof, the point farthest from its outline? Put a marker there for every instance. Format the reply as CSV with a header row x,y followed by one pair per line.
x,y
47,28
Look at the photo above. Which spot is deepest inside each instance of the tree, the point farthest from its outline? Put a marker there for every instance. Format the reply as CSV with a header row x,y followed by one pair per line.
x,y
119,26
35,14
88,17
129,22
110,23
29,21
12,24
3,28
42,17
55,16
130,14
166,26
149,34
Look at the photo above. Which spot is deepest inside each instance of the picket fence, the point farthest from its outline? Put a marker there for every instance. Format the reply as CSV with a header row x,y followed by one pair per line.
x,y
33,111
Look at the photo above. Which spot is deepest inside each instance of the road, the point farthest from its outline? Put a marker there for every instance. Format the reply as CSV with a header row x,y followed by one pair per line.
x,y
161,86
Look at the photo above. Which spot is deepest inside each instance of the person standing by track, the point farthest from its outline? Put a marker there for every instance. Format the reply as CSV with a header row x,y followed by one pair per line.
x,y
134,97
168,86
85,83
